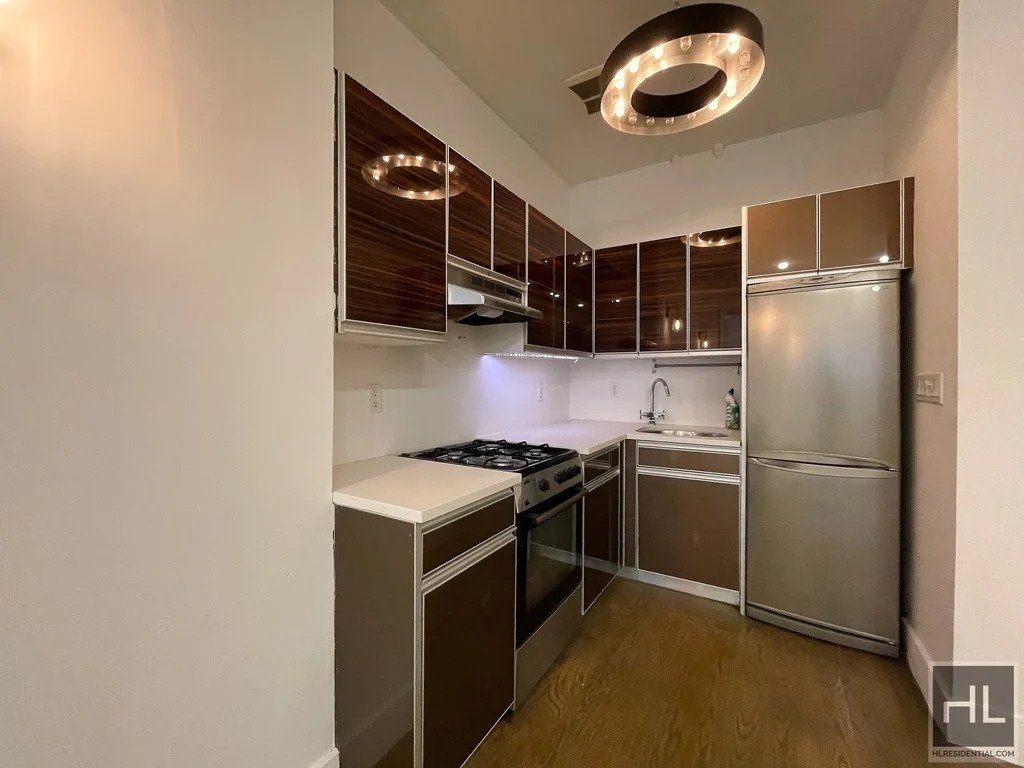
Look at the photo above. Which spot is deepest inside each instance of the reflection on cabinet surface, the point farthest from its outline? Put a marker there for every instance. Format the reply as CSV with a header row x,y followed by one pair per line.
x,y
469,211
689,529
468,658
615,299
509,233
546,275
579,286
861,226
782,237
716,289
394,217
601,544
663,295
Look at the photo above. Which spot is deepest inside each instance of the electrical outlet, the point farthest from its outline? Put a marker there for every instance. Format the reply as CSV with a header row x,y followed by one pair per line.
x,y
376,398
614,389
928,388
540,392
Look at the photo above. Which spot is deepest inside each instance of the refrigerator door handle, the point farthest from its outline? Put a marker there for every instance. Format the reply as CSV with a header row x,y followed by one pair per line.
x,y
826,459
825,470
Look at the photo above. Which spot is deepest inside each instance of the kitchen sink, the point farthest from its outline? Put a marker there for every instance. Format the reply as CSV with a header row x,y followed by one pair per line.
x,y
655,430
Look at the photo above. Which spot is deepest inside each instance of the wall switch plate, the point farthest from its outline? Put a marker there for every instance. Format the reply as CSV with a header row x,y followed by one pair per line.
x,y
928,388
540,392
614,389
376,398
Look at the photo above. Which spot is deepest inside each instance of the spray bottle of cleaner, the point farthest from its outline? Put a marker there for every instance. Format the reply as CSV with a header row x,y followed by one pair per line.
x,y
732,411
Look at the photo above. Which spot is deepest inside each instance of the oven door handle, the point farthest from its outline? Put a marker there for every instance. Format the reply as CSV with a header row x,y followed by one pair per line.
x,y
538,518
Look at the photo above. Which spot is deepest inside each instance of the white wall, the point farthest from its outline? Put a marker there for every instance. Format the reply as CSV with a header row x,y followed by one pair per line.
x,y
704,193
921,141
698,394
990,443
382,54
439,394
165,326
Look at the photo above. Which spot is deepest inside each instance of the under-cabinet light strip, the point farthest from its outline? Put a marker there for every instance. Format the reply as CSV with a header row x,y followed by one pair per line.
x,y
537,355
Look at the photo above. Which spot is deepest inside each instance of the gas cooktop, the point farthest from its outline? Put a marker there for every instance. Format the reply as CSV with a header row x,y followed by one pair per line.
x,y
498,454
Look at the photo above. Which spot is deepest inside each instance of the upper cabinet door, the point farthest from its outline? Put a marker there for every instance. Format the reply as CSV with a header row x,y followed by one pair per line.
x,y
579,287
782,237
861,227
395,176
716,289
546,274
509,233
469,211
615,299
663,295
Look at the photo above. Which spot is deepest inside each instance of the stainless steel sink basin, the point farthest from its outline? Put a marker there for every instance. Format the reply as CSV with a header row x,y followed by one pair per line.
x,y
655,430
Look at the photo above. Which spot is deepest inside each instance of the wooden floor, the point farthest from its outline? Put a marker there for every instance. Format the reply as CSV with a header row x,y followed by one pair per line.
x,y
658,678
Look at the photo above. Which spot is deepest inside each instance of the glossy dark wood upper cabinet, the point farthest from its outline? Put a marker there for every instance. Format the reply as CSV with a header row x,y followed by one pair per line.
x,y
546,275
394,256
716,289
861,226
469,211
509,233
615,299
782,237
663,295
579,286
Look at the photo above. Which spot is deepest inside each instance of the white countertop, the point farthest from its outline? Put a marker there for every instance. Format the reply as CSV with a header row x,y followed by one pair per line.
x,y
588,437
413,489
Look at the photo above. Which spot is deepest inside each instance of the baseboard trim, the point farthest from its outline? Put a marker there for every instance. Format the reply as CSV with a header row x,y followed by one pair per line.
x,y
918,658
708,591
329,760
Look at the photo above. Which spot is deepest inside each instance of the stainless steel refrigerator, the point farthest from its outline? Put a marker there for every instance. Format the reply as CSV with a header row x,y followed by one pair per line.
x,y
823,457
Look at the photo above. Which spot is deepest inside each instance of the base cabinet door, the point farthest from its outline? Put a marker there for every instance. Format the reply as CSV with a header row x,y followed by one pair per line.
x,y
468,657
601,543
689,529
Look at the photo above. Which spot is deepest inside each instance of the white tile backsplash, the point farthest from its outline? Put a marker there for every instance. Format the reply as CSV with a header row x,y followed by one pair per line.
x,y
698,393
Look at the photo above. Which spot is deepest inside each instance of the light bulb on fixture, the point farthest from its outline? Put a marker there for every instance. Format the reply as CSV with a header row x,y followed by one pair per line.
x,y
734,44
744,73
713,41
677,325
730,88
620,80
783,265
713,105
617,301
632,118
744,58
634,65
659,51
685,43
620,109
581,305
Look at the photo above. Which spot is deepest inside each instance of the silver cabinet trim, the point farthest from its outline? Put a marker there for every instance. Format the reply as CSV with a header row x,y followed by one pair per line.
x,y
597,482
686,474
467,560
688,447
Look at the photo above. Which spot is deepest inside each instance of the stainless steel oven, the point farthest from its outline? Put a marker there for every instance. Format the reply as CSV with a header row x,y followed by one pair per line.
x,y
550,558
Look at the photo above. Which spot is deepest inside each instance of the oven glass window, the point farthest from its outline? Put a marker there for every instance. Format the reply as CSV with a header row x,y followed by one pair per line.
x,y
550,564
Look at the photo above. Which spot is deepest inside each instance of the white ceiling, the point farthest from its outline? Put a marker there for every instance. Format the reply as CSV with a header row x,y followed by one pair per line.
x,y
825,59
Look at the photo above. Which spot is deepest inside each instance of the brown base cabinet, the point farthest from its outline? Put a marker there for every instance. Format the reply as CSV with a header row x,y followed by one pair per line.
x,y
424,634
602,523
687,515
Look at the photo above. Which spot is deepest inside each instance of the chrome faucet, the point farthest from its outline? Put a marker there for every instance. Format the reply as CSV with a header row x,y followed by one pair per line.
x,y
652,416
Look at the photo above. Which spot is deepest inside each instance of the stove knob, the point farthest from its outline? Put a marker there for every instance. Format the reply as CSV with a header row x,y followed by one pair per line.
x,y
544,486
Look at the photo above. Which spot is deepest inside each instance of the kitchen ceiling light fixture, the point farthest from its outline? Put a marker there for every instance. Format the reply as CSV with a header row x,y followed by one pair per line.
x,y
376,172
725,38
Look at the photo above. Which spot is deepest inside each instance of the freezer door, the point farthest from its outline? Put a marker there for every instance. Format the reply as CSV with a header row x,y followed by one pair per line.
x,y
823,545
823,373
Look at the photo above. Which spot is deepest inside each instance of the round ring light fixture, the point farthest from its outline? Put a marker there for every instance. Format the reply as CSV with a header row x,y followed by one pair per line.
x,y
725,38
376,172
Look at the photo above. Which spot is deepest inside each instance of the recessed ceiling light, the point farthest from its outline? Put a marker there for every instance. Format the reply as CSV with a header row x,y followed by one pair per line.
x,y
783,265
685,36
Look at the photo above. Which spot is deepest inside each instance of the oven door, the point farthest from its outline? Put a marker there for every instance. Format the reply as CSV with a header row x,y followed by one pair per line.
x,y
549,565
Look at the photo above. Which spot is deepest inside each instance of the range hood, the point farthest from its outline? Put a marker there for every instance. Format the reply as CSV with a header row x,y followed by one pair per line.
x,y
479,296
